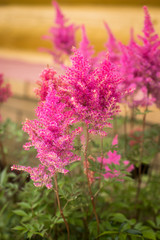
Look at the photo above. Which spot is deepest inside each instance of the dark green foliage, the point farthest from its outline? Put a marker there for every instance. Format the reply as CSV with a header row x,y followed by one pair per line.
x,y
32,213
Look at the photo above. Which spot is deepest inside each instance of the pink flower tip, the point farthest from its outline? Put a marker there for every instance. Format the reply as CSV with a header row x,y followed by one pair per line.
x,y
115,140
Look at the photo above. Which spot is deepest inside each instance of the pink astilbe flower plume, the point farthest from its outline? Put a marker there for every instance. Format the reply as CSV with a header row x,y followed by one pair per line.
x,y
112,46
84,47
62,36
92,95
60,18
114,158
79,95
47,76
87,50
50,136
115,140
141,66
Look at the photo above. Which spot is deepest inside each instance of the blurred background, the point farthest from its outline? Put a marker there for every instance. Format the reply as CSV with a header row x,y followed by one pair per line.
x,y
23,23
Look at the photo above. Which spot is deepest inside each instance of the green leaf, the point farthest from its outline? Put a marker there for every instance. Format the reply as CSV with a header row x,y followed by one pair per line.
x,y
74,165
158,220
149,234
24,205
132,221
158,234
19,228
151,223
3,177
107,233
20,213
119,217
122,236
58,221
30,234
3,209
147,111
133,232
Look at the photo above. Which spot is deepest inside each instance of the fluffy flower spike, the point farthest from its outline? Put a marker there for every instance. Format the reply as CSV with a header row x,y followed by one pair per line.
x,y
114,158
112,45
84,46
62,36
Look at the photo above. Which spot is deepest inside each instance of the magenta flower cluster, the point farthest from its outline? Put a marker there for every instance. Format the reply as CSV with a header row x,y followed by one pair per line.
x,y
114,158
79,95
51,137
140,66
92,95
62,36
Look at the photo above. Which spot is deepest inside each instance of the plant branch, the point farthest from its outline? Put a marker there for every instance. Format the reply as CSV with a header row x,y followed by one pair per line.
x,y
89,184
59,205
101,165
141,155
3,159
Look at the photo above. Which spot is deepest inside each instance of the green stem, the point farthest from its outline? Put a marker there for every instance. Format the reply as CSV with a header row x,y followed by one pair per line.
x,y
132,118
125,129
89,184
59,205
141,156
115,125
101,165
3,159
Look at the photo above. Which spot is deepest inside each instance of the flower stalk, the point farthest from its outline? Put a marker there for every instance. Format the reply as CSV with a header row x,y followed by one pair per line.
x,y
59,205
88,181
